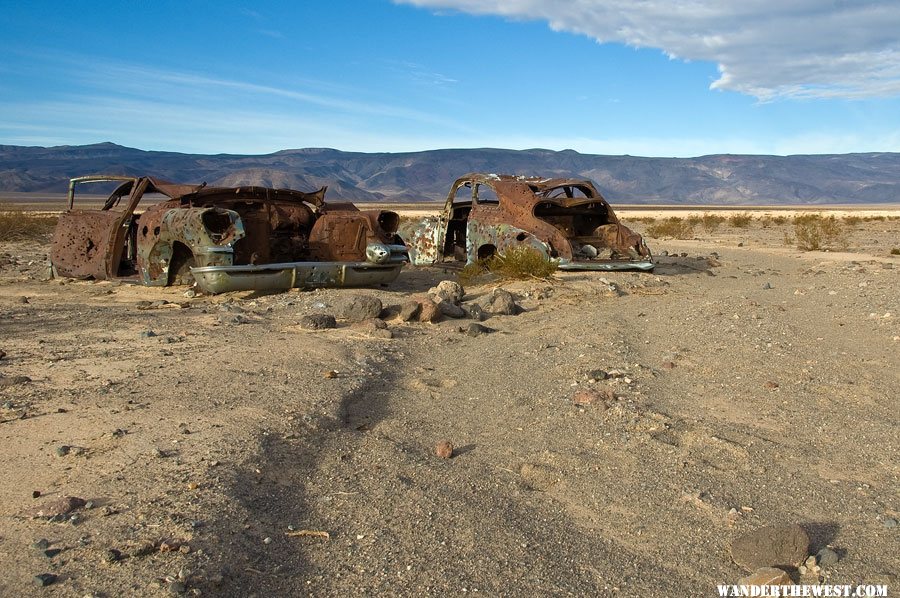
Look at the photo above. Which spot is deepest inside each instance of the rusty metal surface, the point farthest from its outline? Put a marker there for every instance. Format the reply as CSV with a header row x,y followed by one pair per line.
x,y
218,227
565,219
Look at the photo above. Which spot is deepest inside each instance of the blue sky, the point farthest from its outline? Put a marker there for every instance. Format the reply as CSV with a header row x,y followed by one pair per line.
x,y
678,78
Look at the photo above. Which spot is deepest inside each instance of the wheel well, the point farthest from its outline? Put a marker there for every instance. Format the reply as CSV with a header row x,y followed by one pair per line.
x,y
486,251
180,256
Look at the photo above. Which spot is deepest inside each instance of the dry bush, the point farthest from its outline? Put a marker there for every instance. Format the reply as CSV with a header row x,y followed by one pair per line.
x,y
18,225
711,222
742,220
852,220
895,251
674,227
813,232
517,263
779,219
644,219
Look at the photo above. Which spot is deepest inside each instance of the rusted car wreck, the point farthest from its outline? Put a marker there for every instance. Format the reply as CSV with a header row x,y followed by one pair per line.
x,y
565,219
224,238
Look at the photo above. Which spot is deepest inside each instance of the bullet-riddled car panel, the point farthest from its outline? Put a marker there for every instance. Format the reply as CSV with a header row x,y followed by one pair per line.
x,y
565,219
224,238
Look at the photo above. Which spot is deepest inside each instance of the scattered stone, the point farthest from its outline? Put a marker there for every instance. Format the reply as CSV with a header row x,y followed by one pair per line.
x,y
112,556
476,312
451,310
190,293
2,353
63,450
444,449
429,311
23,300
409,310
447,290
766,576
590,396
41,544
148,334
599,375
35,494
771,385
317,322
58,507
330,374
476,329
45,579
668,365
827,557
768,286
890,522
177,587
502,302
771,546
357,308
51,552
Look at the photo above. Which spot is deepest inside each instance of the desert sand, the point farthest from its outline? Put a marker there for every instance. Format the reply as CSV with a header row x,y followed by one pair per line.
x,y
224,450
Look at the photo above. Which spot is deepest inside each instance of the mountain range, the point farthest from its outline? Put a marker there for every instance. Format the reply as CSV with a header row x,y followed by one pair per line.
x,y
426,176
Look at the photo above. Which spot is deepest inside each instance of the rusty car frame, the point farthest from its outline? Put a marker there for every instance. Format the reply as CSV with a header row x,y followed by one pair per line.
x,y
223,238
567,220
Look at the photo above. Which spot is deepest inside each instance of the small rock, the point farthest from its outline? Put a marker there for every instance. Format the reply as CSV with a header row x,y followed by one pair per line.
x,y
330,374
35,494
317,322
771,385
148,334
889,522
444,449
447,290
190,293
45,579
61,506
771,546
590,396
357,308
827,557
23,300
502,302
768,286
599,374
51,552
267,540
451,310
177,587
668,365
41,544
766,576
112,556
2,353
476,312
476,329
63,450
429,311
409,310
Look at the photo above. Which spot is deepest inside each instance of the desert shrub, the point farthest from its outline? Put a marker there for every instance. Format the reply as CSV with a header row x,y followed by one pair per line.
x,y
517,263
895,251
852,220
674,227
644,219
742,220
694,220
813,232
766,221
779,219
711,222
18,225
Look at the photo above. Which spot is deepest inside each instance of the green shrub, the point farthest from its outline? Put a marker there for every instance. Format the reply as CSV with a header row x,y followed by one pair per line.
x,y
18,225
852,220
895,251
779,219
674,227
517,263
813,232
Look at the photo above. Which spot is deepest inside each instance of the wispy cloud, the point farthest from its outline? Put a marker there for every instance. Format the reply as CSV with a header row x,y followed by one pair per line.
x,y
769,49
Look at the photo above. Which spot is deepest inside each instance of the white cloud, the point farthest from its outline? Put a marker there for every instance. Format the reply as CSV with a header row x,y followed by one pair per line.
x,y
764,48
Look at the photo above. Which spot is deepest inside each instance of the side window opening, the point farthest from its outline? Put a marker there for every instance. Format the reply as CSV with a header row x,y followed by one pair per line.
x,y
484,194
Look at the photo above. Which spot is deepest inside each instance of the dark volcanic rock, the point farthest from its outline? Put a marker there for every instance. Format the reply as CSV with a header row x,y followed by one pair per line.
x,y
785,546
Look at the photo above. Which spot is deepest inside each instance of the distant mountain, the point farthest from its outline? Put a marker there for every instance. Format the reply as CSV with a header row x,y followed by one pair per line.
x,y
424,176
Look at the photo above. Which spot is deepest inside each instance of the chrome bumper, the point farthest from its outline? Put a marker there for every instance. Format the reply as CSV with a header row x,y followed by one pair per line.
x,y
280,277
607,265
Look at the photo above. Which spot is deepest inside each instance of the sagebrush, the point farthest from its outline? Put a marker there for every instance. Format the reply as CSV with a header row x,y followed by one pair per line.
x,y
812,232
674,227
516,263
18,225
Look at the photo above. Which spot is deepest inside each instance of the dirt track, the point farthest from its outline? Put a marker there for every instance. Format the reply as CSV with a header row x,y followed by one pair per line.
x,y
754,378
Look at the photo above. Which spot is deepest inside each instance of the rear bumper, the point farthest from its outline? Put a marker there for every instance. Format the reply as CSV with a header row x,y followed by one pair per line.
x,y
280,277
607,265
